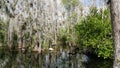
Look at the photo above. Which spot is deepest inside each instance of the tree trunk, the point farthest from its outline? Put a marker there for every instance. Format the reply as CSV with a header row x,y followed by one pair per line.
x,y
115,19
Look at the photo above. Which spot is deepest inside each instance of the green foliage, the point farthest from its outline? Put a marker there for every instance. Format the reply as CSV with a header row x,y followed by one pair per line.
x,y
67,36
1,36
2,31
64,36
95,31
70,3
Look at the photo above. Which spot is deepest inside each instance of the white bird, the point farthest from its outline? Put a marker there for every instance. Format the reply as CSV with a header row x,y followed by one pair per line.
x,y
51,49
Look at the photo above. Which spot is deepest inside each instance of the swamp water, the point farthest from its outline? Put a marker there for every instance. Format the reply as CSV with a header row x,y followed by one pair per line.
x,y
50,59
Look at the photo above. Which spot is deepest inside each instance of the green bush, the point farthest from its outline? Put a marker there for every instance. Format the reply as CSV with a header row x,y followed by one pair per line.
x,y
95,31
65,36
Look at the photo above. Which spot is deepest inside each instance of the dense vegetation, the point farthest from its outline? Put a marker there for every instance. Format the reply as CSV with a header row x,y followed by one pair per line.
x,y
57,29
95,32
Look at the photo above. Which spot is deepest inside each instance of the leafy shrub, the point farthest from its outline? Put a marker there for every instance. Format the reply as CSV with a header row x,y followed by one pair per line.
x,y
65,36
95,31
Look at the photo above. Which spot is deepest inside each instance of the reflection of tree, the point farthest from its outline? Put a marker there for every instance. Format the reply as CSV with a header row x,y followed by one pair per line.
x,y
36,60
11,59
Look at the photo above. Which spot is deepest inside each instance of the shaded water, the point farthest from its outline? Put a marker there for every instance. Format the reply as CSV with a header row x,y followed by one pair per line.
x,y
49,59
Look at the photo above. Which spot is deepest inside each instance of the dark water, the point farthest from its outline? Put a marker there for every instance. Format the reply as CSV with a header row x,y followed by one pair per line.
x,y
50,59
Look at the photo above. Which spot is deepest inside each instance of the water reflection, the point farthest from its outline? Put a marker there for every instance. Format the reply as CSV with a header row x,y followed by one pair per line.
x,y
58,59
